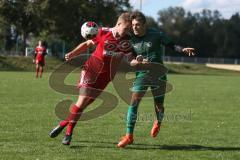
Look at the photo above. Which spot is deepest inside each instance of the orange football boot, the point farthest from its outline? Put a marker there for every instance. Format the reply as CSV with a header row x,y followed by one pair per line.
x,y
126,140
155,129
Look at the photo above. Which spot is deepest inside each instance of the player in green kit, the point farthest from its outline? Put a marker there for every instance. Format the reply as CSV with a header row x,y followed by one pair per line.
x,y
148,45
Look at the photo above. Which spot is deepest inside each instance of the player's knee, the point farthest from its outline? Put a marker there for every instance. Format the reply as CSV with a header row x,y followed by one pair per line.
x,y
135,100
84,101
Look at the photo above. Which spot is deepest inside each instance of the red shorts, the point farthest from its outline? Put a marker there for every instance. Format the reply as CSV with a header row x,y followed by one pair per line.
x,y
95,76
96,82
40,62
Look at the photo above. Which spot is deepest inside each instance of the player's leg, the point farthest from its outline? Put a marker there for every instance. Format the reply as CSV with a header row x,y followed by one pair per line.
x,y
41,70
139,89
132,111
159,96
41,63
138,92
159,110
73,117
91,87
87,96
131,119
37,69
73,110
88,93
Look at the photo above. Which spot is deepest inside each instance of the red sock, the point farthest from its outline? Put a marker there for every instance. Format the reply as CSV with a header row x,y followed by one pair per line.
x,y
73,117
70,128
63,123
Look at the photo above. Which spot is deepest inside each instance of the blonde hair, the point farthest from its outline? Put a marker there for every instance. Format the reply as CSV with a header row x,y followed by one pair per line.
x,y
124,17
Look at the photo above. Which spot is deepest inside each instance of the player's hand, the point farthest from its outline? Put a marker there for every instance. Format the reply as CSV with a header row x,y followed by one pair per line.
x,y
68,56
33,61
189,51
145,61
134,62
139,58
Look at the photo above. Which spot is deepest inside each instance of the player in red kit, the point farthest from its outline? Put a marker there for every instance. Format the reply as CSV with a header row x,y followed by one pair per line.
x,y
112,45
40,52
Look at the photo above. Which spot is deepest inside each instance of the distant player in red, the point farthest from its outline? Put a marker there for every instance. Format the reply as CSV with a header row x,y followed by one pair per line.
x,y
40,52
112,45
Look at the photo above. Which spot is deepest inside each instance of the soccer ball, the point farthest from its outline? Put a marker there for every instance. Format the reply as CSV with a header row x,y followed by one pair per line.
x,y
89,30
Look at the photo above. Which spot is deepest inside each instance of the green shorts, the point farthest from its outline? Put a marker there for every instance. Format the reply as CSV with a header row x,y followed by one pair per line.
x,y
157,86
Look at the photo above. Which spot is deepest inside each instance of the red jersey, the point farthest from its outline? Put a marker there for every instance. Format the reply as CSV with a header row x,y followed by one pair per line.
x,y
108,53
40,52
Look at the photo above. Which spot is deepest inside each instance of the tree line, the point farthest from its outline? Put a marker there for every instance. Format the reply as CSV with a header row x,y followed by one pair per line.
x,y
207,31
23,22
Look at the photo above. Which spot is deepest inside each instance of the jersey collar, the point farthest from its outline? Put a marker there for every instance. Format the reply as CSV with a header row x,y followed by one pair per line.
x,y
115,34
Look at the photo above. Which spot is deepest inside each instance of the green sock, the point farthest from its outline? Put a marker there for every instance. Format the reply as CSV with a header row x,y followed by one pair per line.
x,y
131,118
159,115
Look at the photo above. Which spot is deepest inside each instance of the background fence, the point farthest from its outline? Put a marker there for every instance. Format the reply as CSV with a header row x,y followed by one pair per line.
x,y
199,60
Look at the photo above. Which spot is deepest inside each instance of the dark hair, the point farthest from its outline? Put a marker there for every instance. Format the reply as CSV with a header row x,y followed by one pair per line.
x,y
139,16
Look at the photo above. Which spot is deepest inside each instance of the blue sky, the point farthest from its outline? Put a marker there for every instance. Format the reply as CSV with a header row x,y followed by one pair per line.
x,y
151,7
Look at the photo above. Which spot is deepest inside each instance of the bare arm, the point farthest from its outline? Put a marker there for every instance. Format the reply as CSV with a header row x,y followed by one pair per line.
x,y
80,48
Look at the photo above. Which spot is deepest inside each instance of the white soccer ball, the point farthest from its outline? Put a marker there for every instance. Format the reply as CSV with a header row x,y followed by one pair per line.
x,y
89,30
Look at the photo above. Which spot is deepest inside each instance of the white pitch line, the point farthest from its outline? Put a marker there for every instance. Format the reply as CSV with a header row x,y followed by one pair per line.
x,y
225,66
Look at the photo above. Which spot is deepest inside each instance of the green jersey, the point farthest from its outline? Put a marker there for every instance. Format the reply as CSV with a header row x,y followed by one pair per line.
x,y
151,46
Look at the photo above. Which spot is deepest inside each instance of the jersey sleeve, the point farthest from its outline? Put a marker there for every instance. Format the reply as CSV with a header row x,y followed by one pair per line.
x,y
167,41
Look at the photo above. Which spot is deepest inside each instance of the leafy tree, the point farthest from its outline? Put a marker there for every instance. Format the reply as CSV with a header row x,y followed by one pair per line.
x,y
207,31
66,17
25,15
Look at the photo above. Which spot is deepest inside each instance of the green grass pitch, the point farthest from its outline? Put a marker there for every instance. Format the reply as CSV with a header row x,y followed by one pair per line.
x,y
202,122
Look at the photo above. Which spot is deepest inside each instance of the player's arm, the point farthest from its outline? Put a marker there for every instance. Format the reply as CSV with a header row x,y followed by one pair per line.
x,y
170,44
80,48
188,50
45,52
131,58
34,55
